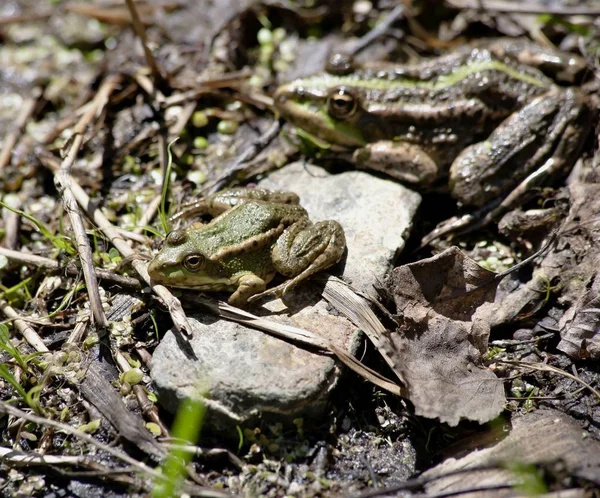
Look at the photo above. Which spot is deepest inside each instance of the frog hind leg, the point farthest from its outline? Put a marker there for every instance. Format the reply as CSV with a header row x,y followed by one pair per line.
x,y
546,135
401,160
304,249
248,286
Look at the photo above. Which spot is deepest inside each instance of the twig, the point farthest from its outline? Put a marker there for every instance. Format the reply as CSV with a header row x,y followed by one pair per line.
x,y
135,464
114,14
358,311
63,182
12,226
502,343
544,249
78,332
141,267
30,335
419,483
485,490
148,408
202,86
11,139
184,116
41,262
140,30
16,457
158,100
524,8
149,87
147,215
201,452
548,368
84,104
26,17
381,28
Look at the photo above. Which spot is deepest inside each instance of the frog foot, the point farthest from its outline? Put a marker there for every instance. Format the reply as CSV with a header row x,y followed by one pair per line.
x,y
249,287
275,292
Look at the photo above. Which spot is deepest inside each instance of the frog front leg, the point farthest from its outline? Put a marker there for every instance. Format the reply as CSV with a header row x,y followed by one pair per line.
x,y
304,249
401,160
248,285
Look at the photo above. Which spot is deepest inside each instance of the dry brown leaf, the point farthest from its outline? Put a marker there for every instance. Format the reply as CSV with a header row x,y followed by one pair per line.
x,y
580,325
444,304
543,437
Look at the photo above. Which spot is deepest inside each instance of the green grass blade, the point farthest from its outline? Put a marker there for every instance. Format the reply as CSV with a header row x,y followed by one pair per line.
x,y
162,211
10,378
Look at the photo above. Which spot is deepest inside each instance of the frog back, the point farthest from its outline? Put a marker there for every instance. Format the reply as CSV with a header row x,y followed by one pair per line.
x,y
248,227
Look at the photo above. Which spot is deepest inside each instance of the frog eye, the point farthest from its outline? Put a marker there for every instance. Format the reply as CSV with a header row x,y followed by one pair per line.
x,y
341,103
193,262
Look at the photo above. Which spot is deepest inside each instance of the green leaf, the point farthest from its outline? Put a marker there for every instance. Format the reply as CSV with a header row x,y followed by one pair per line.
x,y
4,333
153,428
43,229
91,427
240,438
6,345
187,425
33,398
59,241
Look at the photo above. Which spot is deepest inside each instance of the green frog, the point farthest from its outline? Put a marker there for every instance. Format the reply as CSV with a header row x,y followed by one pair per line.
x,y
256,234
481,115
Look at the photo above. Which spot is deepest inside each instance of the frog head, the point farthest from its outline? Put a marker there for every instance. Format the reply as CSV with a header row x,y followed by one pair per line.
x,y
324,106
184,262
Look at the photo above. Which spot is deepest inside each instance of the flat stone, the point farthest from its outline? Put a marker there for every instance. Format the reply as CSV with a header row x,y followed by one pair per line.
x,y
242,373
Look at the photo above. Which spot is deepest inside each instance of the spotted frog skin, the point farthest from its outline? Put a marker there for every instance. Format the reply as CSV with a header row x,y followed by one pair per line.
x,y
481,115
257,234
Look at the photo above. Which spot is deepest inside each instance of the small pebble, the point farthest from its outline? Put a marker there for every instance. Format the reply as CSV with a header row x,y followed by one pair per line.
x,y
523,335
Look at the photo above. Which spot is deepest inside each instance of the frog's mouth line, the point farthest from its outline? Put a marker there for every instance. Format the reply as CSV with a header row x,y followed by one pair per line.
x,y
215,286
201,283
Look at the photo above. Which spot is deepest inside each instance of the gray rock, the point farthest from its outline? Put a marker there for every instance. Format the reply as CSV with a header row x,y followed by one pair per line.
x,y
243,373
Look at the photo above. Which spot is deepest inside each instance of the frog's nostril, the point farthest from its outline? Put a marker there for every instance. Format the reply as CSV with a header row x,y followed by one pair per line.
x,y
280,98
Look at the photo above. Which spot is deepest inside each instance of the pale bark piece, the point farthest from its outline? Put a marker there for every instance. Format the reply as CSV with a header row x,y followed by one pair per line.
x,y
543,437
444,305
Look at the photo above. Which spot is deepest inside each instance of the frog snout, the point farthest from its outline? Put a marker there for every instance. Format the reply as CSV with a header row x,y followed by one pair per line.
x,y
154,268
